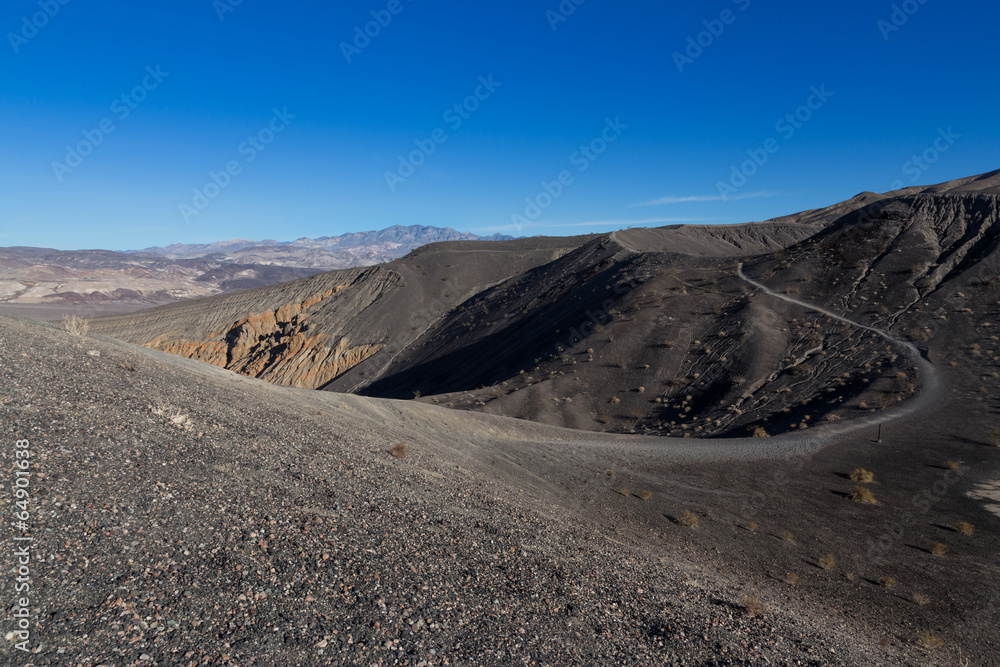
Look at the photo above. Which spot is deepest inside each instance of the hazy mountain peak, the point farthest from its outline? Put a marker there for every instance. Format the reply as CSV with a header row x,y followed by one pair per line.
x,y
390,238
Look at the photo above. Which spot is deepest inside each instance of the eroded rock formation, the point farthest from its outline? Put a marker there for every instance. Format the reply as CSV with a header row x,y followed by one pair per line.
x,y
276,346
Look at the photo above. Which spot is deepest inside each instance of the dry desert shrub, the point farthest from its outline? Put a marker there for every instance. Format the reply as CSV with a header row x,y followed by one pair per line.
x,y
953,465
689,520
626,491
886,582
646,494
860,494
938,549
129,362
759,432
752,526
399,450
793,579
964,528
753,606
828,562
862,475
788,537
76,325
921,599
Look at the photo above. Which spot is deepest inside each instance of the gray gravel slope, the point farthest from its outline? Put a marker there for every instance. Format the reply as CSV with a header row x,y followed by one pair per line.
x,y
186,515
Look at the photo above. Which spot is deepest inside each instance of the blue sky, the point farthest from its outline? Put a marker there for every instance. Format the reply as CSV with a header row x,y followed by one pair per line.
x,y
572,118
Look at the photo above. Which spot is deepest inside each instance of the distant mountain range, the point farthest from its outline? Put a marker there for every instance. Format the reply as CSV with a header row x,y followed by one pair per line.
x,y
37,276
326,252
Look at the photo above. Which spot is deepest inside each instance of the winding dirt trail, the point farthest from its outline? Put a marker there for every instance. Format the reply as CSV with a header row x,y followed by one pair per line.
x,y
536,454
538,458
533,451
648,449
931,386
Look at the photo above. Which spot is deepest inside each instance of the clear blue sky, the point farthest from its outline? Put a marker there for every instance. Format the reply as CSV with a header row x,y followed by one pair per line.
x,y
325,172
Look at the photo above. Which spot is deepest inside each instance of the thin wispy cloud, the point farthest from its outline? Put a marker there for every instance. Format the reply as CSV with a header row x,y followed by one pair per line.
x,y
630,223
496,229
703,198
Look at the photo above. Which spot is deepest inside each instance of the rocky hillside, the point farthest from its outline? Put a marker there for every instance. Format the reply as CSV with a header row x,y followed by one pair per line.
x,y
350,329
863,339
307,332
661,331
185,515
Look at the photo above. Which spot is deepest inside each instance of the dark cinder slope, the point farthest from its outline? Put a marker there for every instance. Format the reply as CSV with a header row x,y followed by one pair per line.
x,y
307,332
185,515
346,329
608,338
626,337
639,331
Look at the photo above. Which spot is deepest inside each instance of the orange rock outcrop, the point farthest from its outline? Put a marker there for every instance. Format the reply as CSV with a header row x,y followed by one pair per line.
x,y
276,346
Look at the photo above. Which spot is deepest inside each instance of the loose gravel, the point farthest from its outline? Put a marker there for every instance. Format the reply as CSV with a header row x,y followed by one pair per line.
x,y
189,517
